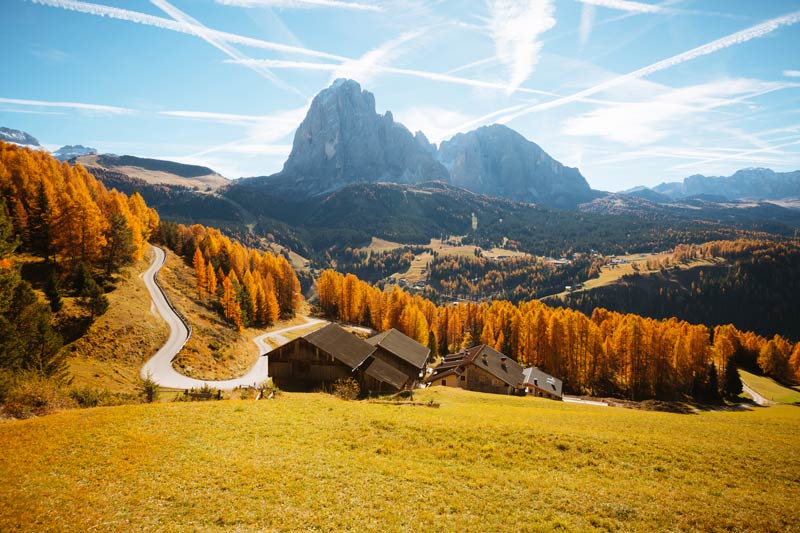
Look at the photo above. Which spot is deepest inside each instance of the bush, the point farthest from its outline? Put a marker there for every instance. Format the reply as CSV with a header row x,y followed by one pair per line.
x,y
346,388
148,388
88,397
33,395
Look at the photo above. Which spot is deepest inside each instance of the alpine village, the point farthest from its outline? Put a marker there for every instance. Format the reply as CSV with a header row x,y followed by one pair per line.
x,y
337,266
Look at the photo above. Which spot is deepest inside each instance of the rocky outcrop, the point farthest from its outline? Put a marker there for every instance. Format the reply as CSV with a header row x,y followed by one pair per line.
x,y
498,161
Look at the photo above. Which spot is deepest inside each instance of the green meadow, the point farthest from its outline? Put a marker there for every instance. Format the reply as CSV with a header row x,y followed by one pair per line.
x,y
476,462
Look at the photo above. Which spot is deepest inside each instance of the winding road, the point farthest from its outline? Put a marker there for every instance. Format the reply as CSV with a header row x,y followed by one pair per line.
x,y
159,367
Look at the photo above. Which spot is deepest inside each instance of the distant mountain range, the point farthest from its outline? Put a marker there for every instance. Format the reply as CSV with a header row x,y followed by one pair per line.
x,y
343,140
18,137
65,153
745,184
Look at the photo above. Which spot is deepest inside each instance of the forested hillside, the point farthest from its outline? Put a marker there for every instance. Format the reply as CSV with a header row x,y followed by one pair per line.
x,y
606,354
757,288
64,238
63,235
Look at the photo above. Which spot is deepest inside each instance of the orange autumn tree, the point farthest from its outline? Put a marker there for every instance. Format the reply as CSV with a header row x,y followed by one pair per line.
x,y
606,354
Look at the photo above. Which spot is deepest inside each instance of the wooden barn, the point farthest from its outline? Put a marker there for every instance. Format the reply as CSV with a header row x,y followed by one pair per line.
x,y
314,361
402,353
482,369
538,383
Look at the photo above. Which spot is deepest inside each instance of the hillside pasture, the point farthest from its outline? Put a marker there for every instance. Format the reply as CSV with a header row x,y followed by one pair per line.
x,y
770,389
476,463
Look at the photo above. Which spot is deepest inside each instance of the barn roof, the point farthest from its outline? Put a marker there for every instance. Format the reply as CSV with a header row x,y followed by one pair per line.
x,y
495,363
402,346
342,345
533,377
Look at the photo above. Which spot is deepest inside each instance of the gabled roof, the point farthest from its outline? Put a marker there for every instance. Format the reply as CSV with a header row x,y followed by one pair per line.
x,y
533,377
385,372
495,363
402,346
342,345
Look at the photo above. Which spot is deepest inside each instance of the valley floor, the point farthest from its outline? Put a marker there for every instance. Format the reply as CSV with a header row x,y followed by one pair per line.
x,y
477,463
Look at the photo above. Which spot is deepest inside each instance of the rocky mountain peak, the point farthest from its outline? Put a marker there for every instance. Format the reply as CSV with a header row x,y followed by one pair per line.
x,y
343,140
498,161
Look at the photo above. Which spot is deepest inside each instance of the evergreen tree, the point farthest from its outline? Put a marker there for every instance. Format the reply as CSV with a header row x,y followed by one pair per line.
x,y
53,292
82,279
732,385
95,300
119,249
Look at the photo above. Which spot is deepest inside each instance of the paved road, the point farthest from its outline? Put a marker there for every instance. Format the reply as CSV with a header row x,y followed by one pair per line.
x,y
575,399
160,365
760,400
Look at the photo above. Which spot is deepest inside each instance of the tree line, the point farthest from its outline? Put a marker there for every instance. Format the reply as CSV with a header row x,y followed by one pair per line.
x,y
605,354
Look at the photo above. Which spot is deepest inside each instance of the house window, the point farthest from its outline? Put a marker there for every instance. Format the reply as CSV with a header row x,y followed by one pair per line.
x,y
463,378
444,383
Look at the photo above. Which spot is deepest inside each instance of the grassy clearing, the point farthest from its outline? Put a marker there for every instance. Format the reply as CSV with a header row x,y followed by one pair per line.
x,y
111,353
477,463
612,273
770,389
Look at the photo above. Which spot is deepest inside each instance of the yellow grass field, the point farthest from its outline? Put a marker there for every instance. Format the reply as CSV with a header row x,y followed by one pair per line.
x,y
479,462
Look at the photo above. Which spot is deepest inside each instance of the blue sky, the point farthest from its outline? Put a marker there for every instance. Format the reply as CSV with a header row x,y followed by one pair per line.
x,y
630,92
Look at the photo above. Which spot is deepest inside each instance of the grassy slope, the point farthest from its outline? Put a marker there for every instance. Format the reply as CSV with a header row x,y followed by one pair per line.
x,y
215,350
111,353
770,389
478,463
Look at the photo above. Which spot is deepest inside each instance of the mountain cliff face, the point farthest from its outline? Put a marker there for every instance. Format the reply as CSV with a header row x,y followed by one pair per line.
x,y
498,161
342,140
749,183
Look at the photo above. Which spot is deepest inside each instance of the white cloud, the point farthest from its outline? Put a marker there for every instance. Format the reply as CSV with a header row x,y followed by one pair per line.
x,y
792,73
220,44
739,156
172,25
364,68
94,108
625,5
659,116
356,6
504,116
515,26
434,122
265,129
587,22
432,76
